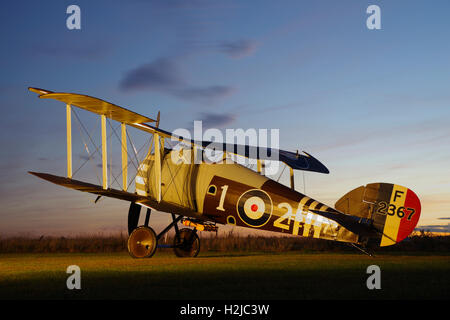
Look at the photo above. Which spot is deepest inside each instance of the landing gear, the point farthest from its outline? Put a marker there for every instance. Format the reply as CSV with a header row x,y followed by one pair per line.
x,y
187,244
133,217
143,241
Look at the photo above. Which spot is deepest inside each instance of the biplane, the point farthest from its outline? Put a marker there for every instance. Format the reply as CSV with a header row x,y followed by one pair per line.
x,y
203,195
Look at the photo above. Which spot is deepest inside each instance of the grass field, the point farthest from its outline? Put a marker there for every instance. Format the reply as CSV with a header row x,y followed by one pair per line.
x,y
288,275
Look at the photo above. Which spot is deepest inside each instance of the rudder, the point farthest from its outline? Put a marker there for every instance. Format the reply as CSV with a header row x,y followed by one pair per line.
x,y
393,210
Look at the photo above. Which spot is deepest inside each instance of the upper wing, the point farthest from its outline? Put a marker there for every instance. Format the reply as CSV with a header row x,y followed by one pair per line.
x,y
94,105
294,160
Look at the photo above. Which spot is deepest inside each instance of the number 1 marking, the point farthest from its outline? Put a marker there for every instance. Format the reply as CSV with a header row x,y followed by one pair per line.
x,y
222,197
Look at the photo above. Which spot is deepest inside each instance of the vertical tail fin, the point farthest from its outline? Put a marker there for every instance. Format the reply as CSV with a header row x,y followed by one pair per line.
x,y
393,210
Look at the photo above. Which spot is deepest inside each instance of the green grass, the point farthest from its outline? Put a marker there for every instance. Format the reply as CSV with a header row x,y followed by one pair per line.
x,y
218,276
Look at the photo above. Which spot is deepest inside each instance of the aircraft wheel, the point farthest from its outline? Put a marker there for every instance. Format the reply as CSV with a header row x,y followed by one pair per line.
x,y
188,245
142,242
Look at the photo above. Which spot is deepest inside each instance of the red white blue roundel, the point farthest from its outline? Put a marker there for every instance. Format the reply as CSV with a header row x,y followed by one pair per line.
x,y
254,207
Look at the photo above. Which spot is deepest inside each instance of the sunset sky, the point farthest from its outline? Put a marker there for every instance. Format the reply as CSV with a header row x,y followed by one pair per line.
x,y
372,105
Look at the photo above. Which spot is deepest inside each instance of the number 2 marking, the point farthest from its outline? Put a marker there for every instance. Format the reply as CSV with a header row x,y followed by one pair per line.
x,y
382,207
278,223
222,197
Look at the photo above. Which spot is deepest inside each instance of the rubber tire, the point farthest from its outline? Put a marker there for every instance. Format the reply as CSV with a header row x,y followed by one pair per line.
x,y
136,249
183,249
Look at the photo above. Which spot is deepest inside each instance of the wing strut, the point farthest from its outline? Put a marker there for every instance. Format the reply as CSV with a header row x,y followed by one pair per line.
x,y
104,154
157,166
69,140
124,157
260,166
291,171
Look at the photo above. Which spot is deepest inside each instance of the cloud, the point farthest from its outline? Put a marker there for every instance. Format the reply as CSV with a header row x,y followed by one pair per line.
x,y
239,49
434,228
162,74
206,94
86,157
165,75
211,120
215,120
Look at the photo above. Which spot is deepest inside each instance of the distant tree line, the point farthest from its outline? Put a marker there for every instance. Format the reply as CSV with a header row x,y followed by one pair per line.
x,y
230,242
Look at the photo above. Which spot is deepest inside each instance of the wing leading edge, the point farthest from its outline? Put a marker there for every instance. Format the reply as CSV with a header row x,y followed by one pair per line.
x,y
94,105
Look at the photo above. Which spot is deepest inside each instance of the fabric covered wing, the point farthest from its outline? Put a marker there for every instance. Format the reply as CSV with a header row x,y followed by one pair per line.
x,y
88,187
94,105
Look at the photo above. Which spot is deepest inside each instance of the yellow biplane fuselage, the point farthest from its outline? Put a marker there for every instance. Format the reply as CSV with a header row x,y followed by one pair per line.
x,y
230,193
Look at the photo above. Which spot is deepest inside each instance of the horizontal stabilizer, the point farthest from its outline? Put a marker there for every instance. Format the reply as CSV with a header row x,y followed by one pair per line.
x,y
354,224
